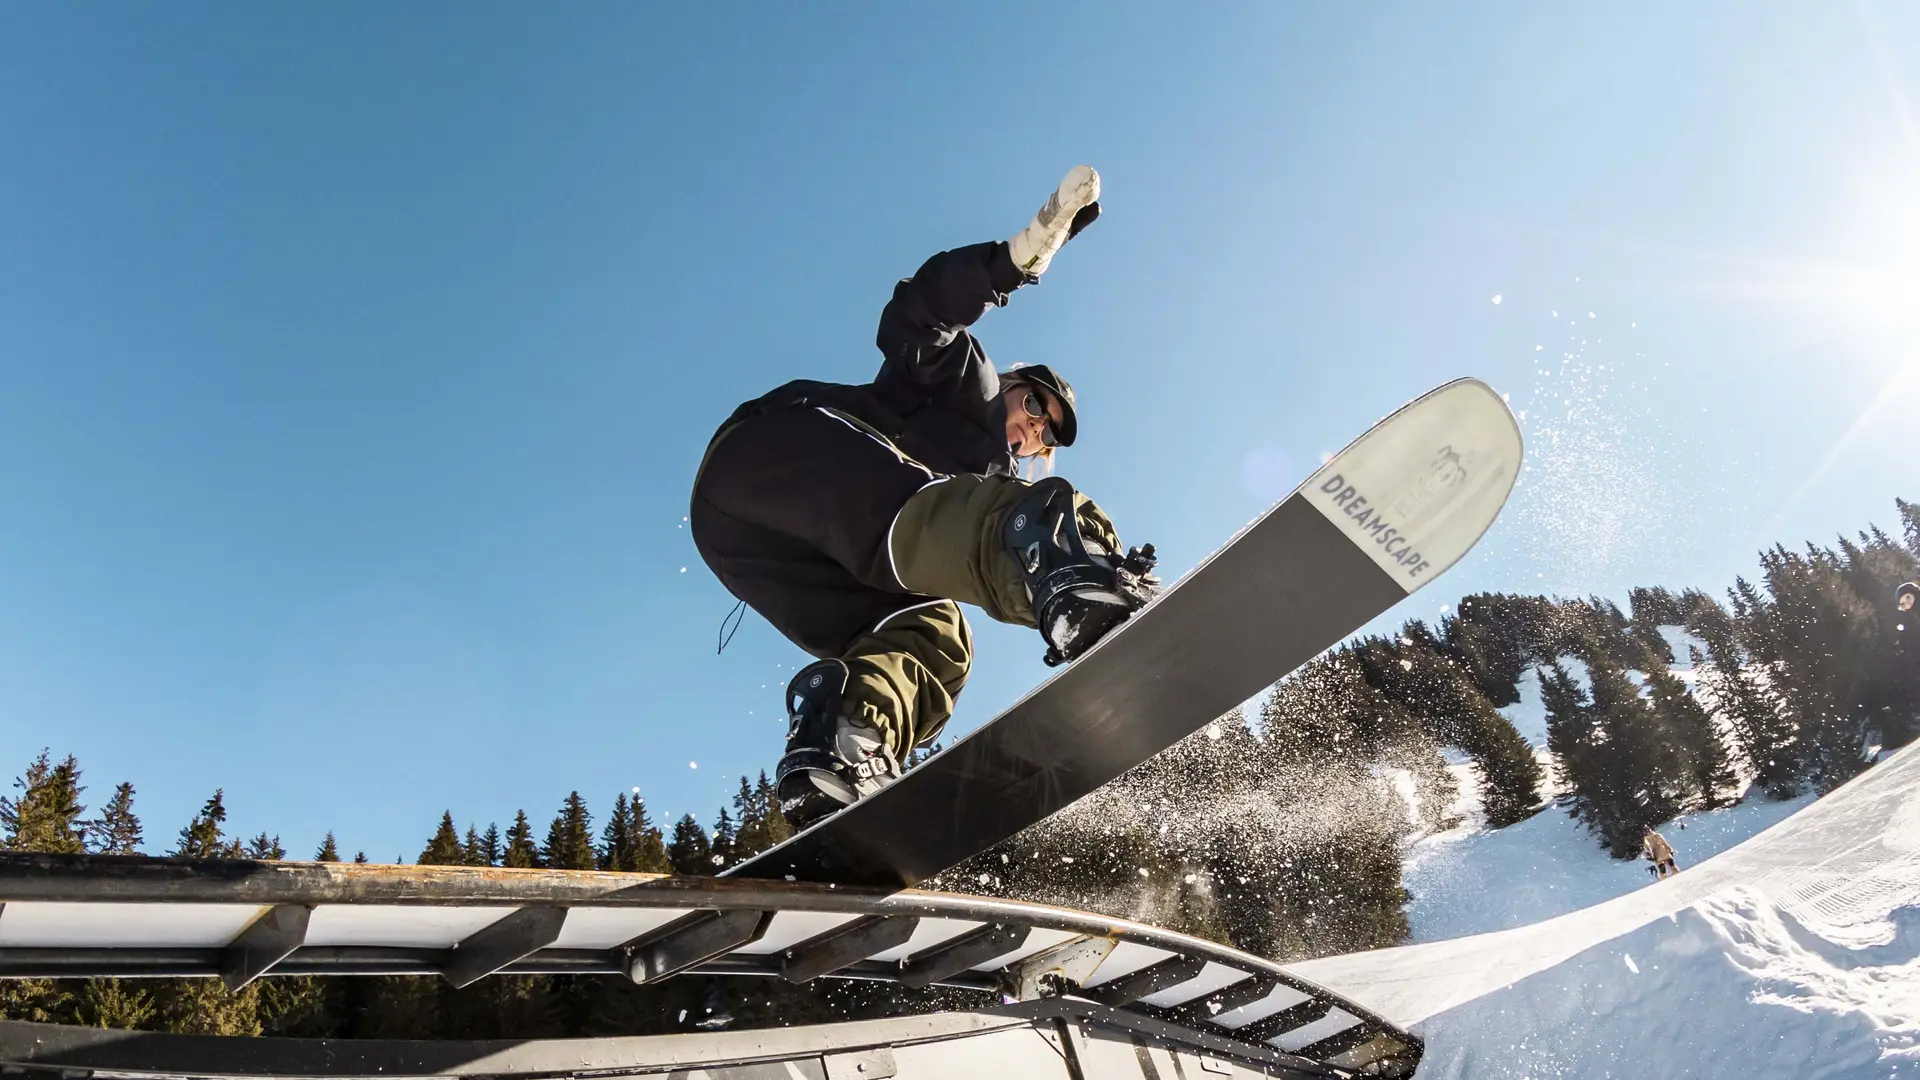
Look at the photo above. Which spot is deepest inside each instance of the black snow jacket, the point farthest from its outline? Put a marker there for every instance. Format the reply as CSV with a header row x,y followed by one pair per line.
x,y
937,395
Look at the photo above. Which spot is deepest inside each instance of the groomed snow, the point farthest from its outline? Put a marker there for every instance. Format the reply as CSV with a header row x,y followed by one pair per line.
x,y
1471,880
1795,954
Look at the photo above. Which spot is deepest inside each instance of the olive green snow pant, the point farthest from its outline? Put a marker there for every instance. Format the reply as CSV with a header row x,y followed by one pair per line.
x,y
854,550
906,672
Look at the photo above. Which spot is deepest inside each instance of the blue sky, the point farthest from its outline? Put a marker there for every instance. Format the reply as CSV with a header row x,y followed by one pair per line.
x,y
355,361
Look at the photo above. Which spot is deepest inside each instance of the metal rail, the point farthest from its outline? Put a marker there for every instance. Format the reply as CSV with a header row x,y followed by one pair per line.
x,y
69,916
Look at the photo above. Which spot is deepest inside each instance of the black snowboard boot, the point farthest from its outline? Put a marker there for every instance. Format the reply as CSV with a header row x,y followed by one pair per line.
x,y
1080,590
831,759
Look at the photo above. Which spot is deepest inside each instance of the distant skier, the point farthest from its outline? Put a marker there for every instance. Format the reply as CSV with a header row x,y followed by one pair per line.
x,y
854,517
1655,847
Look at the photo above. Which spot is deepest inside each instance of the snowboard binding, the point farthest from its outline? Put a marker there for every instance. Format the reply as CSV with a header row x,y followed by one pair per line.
x,y
832,760
1080,591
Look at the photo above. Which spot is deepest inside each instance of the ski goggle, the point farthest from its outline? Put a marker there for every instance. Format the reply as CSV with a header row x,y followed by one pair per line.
x,y
1036,407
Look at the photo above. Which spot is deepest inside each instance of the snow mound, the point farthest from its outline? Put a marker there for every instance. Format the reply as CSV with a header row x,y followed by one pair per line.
x,y
1793,954
1732,986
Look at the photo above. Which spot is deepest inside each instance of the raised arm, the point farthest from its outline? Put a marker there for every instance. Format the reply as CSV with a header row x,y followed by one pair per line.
x,y
923,328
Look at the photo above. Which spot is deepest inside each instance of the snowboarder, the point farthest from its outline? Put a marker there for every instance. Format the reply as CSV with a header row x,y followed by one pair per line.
x,y
854,518
1655,847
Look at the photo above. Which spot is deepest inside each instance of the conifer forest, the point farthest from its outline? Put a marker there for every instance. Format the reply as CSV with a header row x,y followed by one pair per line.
x,y
1279,830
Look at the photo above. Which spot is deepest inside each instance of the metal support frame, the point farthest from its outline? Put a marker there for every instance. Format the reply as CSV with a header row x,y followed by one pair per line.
x,y
1294,1016
693,940
846,945
1226,999
717,917
269,940
1149,980
969,950
498,944
1338,1043
857,1050
1078,1012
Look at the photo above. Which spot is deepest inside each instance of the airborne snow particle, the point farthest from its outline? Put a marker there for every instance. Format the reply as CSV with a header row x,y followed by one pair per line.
x,y
1214,732
1143,871
693,764
683,569
683,1016
1537,348
1631,966
636,791
1068,859
1496,298
1189,879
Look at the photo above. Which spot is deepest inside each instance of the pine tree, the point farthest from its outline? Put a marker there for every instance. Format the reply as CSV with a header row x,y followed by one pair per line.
x,y
750,837
1890,679
471,851
1818,636
689,852
329,851
444,848
202,838
117,831
206,1007
724,835
487,852
1689,726
1429,686
1740,684
570,838
265,847
1623,768
520,851
46,815
619,847
119,1004
40,1001
1496,637
756,812
360,857
1572,736
650,847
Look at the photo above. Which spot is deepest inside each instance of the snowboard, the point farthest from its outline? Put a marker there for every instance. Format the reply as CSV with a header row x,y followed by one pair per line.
x,y
1379,520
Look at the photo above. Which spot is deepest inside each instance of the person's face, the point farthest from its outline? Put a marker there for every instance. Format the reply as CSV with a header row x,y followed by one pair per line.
x,y
1027,434
1906,601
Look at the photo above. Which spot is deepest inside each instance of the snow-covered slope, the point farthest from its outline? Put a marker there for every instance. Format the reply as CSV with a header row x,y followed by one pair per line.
x,y
1793,954
1471,880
